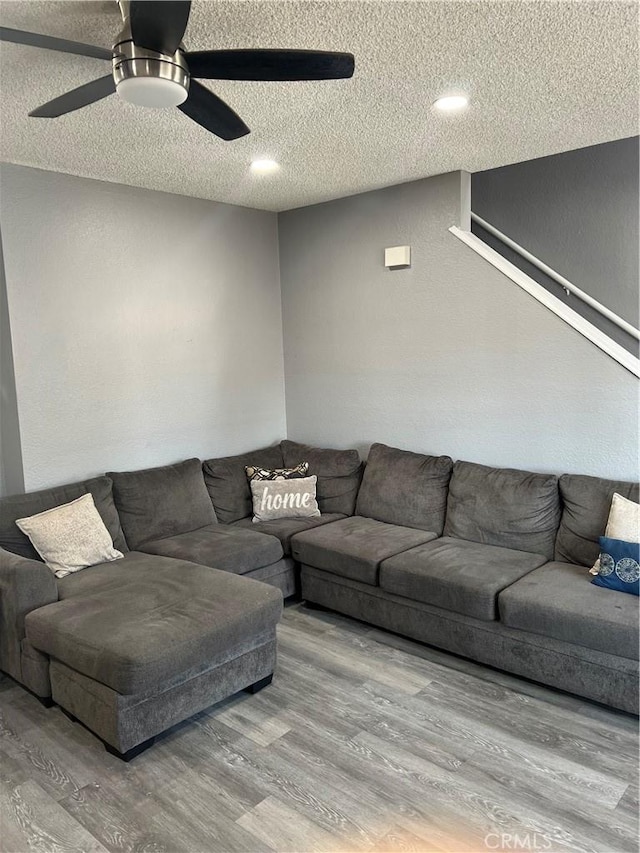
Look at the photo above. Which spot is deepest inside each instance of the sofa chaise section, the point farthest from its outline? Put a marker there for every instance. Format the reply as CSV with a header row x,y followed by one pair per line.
x,y
132,646
132,656
26,583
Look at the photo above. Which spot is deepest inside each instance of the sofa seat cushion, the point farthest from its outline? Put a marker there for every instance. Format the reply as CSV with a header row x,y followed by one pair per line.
x,y
465,577
285,528
156,629
558,600
221,547
355,547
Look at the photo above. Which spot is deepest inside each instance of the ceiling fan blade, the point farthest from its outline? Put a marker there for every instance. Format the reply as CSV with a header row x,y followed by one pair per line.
x,y
212,113
53,43
77,98
270,64
159,24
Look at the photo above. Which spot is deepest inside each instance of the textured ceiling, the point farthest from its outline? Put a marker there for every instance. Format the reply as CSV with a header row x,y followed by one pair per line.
x,y
543,77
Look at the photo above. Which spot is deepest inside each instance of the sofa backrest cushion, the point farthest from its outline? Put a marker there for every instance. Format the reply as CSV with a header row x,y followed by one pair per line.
x,y
586,502
339,473
503,506
158,502
405,488
21,506
227,483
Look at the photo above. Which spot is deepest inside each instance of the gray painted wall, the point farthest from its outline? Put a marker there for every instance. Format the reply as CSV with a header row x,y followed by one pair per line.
x,y
448,356
146,327
11,475
621,336
578,212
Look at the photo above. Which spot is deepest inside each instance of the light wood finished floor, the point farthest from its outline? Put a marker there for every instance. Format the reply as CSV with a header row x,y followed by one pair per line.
x,y
364,742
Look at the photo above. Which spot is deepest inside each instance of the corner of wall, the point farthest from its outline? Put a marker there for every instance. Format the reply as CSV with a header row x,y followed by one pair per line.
x,y
11,467
464,218
284,383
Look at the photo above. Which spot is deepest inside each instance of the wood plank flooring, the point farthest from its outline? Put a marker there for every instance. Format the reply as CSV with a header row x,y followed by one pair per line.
x,y
364,742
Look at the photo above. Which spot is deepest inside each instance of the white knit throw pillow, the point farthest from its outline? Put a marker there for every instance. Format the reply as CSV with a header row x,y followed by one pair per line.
x,y
70,537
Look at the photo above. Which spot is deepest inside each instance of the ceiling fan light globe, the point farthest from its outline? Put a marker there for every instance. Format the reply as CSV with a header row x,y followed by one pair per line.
x,y
156,92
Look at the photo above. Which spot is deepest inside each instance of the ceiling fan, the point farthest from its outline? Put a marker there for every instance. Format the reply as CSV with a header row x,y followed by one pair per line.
x,y
151,68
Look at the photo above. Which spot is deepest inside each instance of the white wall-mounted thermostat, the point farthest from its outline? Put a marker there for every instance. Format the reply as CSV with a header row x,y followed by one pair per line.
x,y
397,257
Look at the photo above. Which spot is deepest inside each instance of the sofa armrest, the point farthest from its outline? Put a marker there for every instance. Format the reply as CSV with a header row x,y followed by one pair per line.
x,y
25,585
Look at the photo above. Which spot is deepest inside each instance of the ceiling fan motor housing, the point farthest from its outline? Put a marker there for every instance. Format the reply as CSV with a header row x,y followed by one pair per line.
x,y
147,78
152,69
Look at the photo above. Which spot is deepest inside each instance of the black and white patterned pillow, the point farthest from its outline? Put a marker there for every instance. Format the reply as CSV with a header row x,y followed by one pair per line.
x,y
255,473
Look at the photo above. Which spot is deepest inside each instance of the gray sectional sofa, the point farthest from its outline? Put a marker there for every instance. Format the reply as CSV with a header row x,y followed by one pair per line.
x,y
487,563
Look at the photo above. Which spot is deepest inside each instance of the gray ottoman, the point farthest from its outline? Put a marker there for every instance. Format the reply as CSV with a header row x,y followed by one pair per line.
x,y
131,659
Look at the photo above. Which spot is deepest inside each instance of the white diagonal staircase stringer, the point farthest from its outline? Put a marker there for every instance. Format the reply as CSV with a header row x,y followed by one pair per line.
x,y
612,348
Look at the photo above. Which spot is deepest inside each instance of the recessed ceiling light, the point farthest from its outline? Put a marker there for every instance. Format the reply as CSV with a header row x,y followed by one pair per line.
x,y
450,103
264,167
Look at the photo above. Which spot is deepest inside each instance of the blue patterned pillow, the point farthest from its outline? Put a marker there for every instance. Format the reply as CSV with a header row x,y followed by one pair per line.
x,y
619,565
